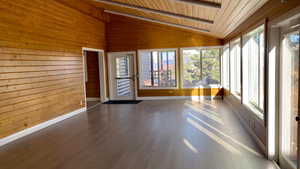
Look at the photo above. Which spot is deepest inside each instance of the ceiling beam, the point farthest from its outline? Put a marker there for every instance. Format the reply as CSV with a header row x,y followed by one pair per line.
x,y
202,3
158,21
155,11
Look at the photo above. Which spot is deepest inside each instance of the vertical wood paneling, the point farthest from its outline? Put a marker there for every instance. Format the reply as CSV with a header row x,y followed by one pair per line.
x,y
41,70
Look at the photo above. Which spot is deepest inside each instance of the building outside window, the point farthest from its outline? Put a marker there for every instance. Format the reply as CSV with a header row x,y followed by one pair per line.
x,y
200,67
157,68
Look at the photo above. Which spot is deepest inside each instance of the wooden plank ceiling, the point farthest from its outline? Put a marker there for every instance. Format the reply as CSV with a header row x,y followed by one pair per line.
x,y
226,19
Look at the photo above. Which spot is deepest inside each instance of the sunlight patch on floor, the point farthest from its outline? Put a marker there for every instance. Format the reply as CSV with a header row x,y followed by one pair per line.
x,y
225,135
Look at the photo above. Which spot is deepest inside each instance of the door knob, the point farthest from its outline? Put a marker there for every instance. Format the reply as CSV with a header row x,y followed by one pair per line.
x,y
297,118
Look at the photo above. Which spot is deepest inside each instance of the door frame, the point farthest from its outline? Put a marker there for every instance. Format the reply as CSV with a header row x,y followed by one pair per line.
x,y
102,73
134,64
274,57
282,159
274,94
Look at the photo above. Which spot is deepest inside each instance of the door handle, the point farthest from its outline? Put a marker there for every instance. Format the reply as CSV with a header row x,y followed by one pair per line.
x,y
297,118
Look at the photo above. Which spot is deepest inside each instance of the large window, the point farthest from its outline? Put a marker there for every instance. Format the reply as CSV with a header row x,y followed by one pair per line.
x,y
235,67
253,68
200,67
157,68
225,67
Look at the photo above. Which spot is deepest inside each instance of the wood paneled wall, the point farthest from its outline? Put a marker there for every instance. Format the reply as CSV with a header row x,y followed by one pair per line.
x,y
271,10
127,34
93,83
41,71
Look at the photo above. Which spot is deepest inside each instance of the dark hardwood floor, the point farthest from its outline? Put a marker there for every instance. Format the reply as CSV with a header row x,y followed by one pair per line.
x,y
169,134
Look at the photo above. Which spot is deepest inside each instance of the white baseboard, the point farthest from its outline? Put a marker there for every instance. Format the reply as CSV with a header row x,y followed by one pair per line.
x,y
179,97
106,100
91,99
38,127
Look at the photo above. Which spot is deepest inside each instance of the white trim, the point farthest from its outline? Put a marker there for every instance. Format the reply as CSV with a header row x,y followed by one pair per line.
x,y
102,72
92,49
182,67
91,99
177,57
134,85
86,78
135,64
180,97
38,127
255,111
275,164
102,76
93,106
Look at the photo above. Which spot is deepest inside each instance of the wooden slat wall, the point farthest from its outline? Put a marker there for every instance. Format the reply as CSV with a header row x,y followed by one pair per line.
x,y
93,83
271,10
41,69
226,19
127,34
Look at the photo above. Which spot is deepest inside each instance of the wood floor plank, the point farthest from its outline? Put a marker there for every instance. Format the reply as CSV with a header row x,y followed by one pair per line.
x,y
165,134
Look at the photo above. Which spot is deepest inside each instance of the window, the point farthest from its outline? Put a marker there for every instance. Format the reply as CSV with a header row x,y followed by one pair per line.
x,y
157,68
200,67
225,67
253,68
211,67
235,67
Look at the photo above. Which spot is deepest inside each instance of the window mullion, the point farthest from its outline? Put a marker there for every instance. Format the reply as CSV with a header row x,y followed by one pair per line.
x,y
152,70
158,68
258,72
200,59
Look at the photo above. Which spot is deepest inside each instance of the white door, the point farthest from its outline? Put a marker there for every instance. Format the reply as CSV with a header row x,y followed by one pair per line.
x,y
289,99
122,76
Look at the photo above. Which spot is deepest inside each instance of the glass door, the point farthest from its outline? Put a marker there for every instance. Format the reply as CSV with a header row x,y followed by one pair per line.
x,y
122,76
289,100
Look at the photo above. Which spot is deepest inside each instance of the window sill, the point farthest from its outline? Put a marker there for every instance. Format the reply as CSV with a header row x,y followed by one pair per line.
x,y
255,111
158,88
236,95
203,87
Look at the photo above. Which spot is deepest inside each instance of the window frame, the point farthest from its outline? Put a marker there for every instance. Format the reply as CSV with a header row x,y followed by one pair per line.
x,y
260,112
224,85
140,87
233,43
182,66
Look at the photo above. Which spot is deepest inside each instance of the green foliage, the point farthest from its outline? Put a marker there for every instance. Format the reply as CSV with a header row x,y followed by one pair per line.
x,y
210,66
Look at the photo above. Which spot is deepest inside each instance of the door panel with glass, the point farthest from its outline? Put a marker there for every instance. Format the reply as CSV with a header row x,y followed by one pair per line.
x,y
122,76
289,100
